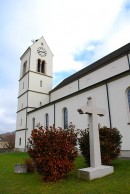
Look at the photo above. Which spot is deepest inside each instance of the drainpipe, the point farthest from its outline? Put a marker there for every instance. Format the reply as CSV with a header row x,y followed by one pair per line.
x,y
128,60
54,114
108,102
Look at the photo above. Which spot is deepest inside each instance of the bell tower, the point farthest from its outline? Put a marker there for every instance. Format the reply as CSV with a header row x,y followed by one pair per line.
x,y
35,82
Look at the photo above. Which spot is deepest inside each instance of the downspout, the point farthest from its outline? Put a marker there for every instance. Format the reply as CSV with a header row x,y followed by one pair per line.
x,y
25,132
128,61
108,102
54,114
78,85
49,97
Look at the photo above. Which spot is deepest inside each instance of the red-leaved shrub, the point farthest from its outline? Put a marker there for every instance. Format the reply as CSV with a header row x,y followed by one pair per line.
x,y
29,164
53,152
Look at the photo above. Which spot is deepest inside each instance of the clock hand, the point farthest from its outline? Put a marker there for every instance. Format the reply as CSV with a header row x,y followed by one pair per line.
x,y
41,51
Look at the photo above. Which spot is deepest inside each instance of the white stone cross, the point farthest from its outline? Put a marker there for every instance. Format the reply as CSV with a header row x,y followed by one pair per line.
x,y
96,170
93,111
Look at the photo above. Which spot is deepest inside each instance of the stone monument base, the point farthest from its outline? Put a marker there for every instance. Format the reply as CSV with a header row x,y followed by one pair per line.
x,y
94,173
20,168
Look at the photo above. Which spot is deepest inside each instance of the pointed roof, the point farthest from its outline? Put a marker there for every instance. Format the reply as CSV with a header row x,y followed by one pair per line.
x,y
44,41
35,43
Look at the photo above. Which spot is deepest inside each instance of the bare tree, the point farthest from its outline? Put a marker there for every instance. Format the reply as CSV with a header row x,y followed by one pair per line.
x,y
9,139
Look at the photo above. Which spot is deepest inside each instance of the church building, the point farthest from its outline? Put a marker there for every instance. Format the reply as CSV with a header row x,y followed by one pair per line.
x,y
107,80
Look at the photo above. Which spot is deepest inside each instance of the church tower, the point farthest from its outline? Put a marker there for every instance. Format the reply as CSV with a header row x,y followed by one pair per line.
x,y
35,82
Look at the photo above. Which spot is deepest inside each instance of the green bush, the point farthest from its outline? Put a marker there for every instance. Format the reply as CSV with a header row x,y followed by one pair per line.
x,y
110,144
53,152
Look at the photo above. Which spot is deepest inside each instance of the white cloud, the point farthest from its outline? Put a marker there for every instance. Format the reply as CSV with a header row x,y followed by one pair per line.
x,y
2,112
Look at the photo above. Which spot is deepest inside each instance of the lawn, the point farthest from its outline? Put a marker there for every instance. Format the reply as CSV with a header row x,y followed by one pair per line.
x,y
31,183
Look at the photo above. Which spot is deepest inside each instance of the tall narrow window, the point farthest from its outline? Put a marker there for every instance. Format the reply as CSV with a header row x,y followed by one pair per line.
x,y
21,122
24,68
47,120
65,117
41,83
128,93
33,123
20,141
39,65
23,85
40,103
43,67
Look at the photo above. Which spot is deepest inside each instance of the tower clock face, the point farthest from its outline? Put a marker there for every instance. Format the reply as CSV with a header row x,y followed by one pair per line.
x,y
41,51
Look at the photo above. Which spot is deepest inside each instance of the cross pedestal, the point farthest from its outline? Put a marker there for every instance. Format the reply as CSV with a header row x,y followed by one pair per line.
x,y
96,169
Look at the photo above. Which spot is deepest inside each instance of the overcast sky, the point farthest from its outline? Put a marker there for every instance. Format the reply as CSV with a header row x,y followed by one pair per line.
x,y
78,32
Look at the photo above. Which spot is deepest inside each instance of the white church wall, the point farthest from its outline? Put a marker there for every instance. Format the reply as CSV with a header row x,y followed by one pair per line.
x,y
119,108
74,103
64,91
22,102
30,109
25,58
107,71
47,58
39,82
40,118
116,90
37,99
116,67
20,140
23,86
21,120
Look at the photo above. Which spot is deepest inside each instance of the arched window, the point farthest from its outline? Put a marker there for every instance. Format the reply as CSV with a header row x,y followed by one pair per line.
x,y
33,123
20,141
39,65
65,118
128,95
43,67
47,120
24,68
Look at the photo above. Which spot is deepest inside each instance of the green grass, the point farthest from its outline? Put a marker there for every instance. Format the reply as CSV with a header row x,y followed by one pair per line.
x,y
31,183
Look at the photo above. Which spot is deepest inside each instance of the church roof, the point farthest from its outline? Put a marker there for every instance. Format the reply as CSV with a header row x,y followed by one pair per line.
x,y
98,64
